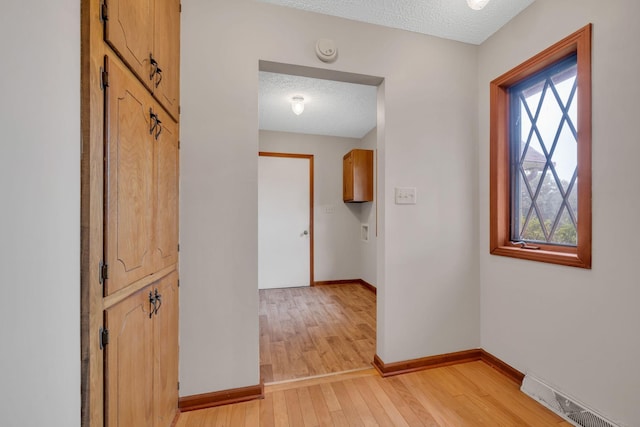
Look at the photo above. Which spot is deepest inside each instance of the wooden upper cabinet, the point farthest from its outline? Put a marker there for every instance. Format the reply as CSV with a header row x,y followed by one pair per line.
x,y
166,52
146,35
357,176
129,180
167,183
128,29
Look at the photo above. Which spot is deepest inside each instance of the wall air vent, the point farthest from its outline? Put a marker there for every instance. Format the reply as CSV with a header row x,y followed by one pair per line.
x,y
572,411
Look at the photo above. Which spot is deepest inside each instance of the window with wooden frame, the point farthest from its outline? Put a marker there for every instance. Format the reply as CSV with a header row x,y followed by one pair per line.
x,y
540,171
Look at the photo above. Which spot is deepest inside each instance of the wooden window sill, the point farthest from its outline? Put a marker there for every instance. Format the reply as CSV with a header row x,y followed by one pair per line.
x,y
571,259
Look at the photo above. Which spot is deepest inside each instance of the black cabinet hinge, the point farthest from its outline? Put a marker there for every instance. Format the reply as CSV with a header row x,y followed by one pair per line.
x,y
178,283
180,8
104,78
104,338
104,16
178,385
104,271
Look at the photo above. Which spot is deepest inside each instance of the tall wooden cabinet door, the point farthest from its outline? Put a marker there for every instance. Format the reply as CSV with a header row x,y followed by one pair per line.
x,y
167,183
129,195
129,31
129,362
167,52
166,352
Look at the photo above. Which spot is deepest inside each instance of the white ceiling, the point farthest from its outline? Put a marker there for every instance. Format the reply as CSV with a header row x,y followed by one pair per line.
x,y
449,19
331,108
349,110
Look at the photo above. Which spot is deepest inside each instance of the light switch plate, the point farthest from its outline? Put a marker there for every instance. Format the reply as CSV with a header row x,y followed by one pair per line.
x,y
406,196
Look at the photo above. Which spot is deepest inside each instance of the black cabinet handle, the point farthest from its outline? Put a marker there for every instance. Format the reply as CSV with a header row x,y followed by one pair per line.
x,y
152,304
158,76
158,130
158,301
155,302
156,124
154,121
154,67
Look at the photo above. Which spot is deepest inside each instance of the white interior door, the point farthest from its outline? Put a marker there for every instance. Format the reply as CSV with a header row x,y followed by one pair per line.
x,y
284,222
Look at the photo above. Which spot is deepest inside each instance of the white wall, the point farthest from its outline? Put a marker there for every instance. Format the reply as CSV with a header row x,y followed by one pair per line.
x,y
575,329
431,301
40,215
369,249
336,224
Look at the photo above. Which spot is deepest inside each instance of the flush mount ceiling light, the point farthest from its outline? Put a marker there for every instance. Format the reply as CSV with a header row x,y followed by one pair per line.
x,y
477,4
297,105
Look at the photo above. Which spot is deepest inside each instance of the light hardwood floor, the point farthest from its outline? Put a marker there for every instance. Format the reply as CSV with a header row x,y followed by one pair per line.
x,y
317,330
471,394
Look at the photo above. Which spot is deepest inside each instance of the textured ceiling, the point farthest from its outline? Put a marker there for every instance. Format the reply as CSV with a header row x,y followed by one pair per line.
x,y
349,110
331,108
449,19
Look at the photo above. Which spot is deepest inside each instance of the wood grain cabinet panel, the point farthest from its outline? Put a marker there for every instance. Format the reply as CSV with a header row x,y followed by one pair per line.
x,y
128,28
146,35
129,362
129,208
166,353
167,183
141,357
142,176
357,176
166,52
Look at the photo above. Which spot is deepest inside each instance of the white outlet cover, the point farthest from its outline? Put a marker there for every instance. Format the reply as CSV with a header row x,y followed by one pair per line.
x,y
364,232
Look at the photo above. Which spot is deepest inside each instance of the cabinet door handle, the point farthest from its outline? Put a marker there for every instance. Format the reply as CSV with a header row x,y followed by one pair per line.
x,y
156,124
158,130
154,121
158,76
152,304
158,300
154,67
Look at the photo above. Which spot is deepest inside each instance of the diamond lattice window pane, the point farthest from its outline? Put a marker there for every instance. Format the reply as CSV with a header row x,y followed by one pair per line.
x,y
549,200
544,186
525,127
548,119
524,204
533,163
573,111
565,156
573,200
564,83
533,230
565,232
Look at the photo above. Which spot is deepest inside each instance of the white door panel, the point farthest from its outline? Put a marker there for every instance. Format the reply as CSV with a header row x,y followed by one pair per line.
x,y
283,222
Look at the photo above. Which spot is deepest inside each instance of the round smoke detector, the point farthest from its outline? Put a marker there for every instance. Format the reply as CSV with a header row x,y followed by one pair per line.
x,y
326,50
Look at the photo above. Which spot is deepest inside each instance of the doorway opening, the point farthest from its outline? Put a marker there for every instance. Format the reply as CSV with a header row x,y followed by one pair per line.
x,y
327,325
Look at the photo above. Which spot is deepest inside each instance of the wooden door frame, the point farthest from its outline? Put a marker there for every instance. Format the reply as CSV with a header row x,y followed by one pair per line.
x,y
311,196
